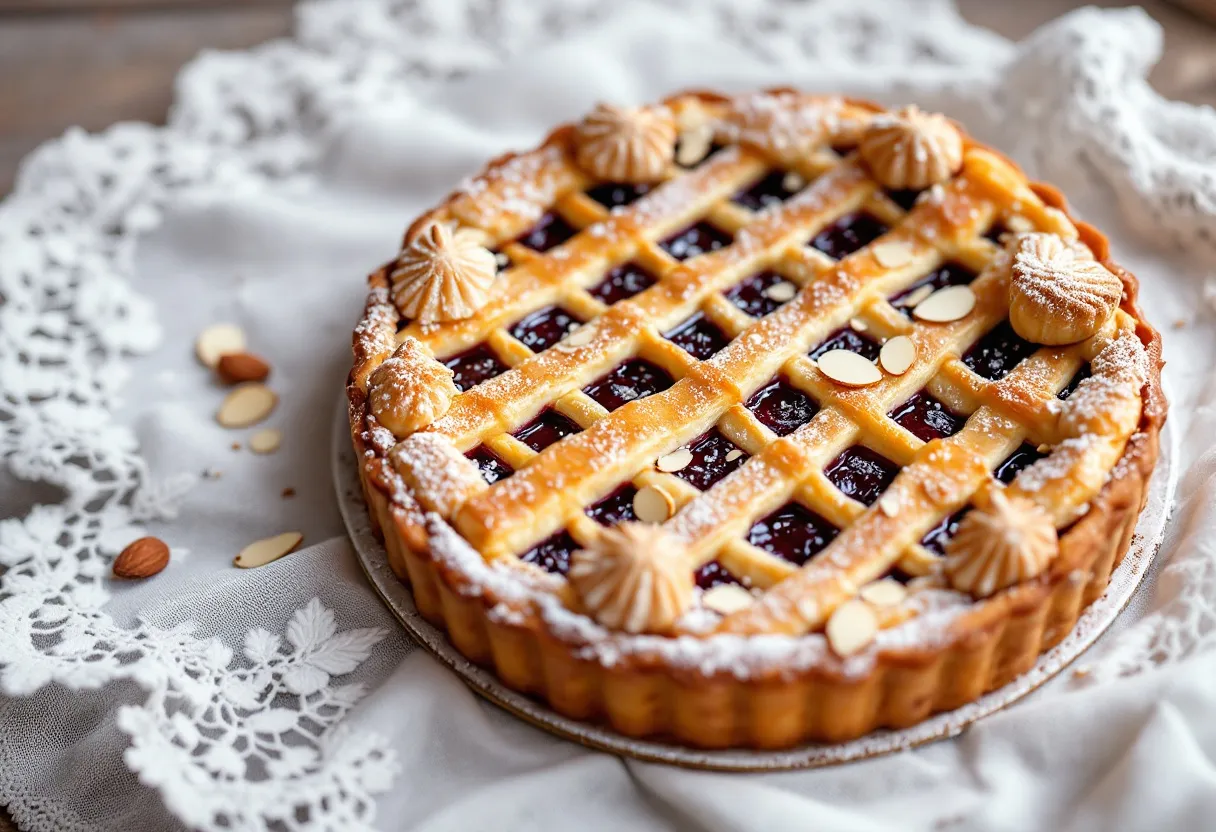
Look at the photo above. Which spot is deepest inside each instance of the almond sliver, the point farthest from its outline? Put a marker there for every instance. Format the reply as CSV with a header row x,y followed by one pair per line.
x,y
246,405
267,550
898,355
848,368
946,305
218,340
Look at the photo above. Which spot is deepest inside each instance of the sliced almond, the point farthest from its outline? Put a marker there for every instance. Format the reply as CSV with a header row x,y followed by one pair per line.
x,y
888,504
858,325
892,254
653,505
851,627
694,144
945,305
727,598
848,368
916,296
246,405
266,441
262,552
732,455
580,337
218,340
897,355
793,181
1019,224
677,460
885,593
782,292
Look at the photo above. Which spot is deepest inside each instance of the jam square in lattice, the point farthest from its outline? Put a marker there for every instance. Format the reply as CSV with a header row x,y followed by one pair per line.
x,y
474,366
695,240
699,337
927,418
781,408
617,507
713,458
849,339
848,234
792,532
753,296
635,379
547,428
552,554
492,468
861,473
551,230
621,282
996,354
614,194
770,190
544,328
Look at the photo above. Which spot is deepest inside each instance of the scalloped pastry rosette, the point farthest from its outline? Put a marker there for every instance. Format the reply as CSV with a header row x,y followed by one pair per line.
x,y
493,616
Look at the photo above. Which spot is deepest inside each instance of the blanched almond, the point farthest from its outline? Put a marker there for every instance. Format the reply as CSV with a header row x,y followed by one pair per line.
x,y
893,254
897,355
781,292
262,552
945,305
851,628
677,460
885,593
246,405
694,144
848,368
218,340
915,296
727,598
266,441
653,505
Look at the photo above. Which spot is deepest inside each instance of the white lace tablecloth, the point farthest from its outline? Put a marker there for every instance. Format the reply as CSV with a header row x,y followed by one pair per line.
x,y
286,697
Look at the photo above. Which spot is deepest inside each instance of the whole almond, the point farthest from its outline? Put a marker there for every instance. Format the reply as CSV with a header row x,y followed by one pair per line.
x,y
238,367
142,559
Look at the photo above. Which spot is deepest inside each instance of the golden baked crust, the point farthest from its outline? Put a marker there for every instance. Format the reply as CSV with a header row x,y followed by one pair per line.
x,y
762,676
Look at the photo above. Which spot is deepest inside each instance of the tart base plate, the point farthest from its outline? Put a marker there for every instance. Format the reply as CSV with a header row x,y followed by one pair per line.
x,y
1096,620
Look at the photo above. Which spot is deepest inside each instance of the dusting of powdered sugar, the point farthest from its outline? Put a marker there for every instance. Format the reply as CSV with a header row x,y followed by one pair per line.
x,y
1117,374
783,123
377,328
1058,466
742,656
521,188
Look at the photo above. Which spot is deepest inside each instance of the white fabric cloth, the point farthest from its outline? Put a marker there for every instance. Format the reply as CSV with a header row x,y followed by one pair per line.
x,y
286,697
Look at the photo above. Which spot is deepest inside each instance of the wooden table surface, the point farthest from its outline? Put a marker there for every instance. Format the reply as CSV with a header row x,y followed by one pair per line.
x,y
95,62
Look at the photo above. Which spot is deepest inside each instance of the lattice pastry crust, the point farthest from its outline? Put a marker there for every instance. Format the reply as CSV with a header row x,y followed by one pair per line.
x,y
668,349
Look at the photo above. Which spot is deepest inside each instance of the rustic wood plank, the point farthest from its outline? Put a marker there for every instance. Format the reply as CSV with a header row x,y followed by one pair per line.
x,y
1187,70
98,68
73,6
